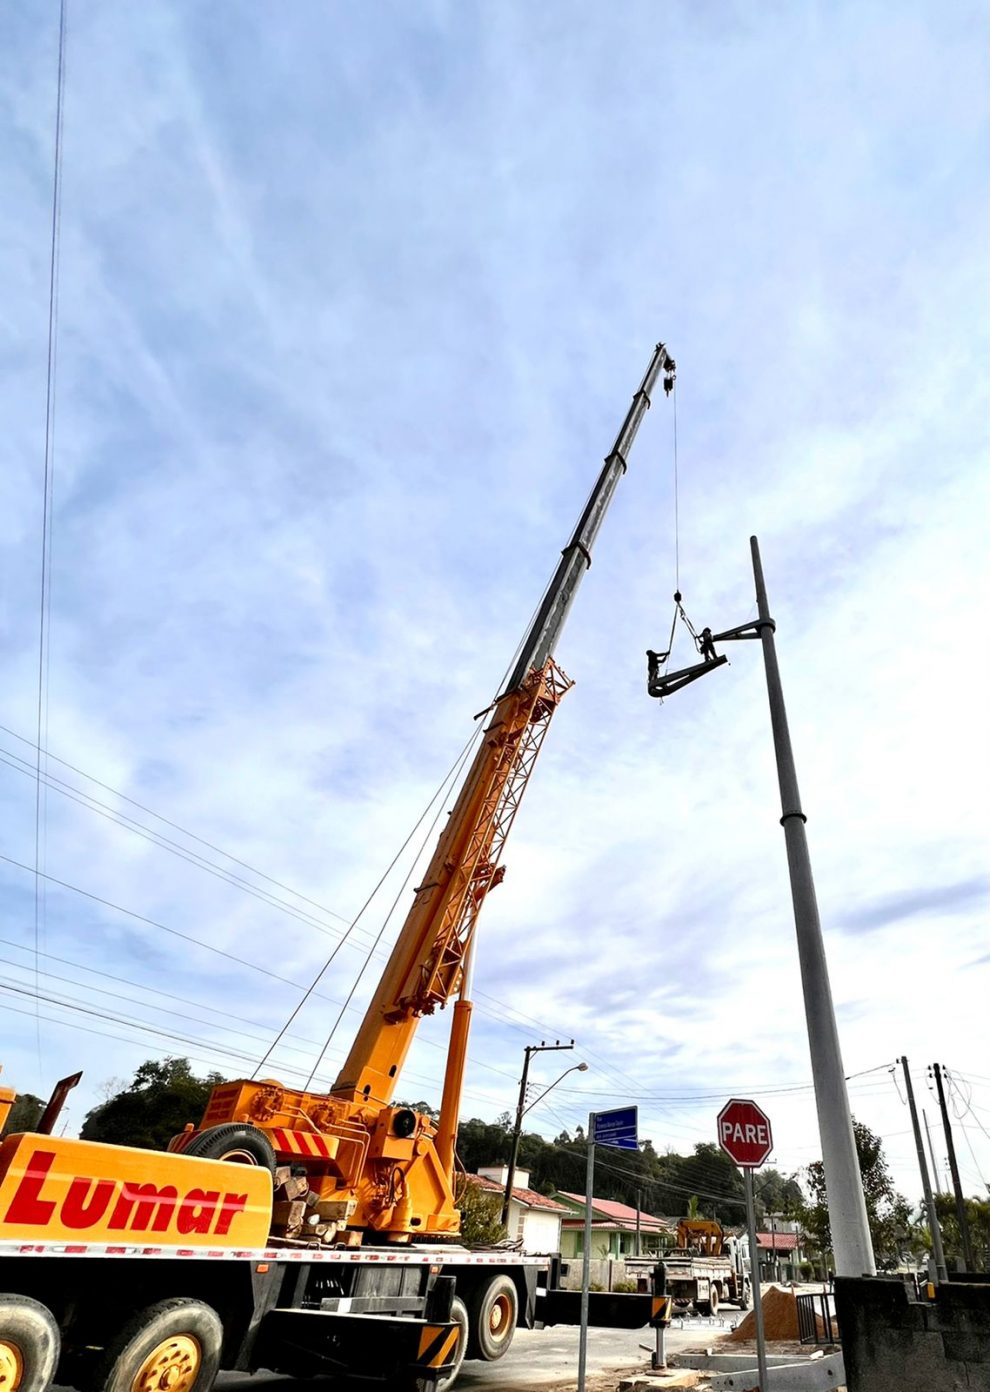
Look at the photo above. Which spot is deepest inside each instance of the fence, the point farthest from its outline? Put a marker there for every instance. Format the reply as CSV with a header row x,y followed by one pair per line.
x,y
817,1323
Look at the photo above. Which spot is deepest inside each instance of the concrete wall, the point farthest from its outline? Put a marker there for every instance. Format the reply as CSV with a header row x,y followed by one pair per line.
x,y
894,1341
604,1273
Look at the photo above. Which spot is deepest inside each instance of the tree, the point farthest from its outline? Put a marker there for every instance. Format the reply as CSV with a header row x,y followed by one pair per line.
x,y
887,1211
24,1115
708,1172
164,1095
978,1221
481,1213
777,1194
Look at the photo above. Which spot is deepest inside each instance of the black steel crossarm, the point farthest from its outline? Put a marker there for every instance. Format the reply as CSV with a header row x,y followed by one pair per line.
x,y
746,630
666,685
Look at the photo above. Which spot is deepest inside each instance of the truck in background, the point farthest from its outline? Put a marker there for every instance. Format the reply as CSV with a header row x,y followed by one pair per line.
x,y
708,1266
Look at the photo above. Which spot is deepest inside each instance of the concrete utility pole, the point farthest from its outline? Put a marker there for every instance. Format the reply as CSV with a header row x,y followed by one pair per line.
x,y
940,1268
953,1166
851,1242
522,1109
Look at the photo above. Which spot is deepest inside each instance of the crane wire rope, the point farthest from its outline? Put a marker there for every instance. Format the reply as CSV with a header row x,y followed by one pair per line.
x,y
44,616
399,893
438,794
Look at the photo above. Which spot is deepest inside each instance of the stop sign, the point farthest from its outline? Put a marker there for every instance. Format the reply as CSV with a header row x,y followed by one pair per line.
x,y
744,1131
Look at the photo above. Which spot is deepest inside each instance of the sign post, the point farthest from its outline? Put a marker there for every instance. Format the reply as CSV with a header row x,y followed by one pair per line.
x,y
744,1134
618,1129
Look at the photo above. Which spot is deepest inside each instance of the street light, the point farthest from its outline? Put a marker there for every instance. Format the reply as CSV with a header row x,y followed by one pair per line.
x,y
522,1109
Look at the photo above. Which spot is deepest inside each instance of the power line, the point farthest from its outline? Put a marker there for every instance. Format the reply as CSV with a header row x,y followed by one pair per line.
x,y
47,513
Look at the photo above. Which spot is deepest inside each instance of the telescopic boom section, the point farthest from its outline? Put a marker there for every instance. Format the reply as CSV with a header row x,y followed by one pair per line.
x,y
426,964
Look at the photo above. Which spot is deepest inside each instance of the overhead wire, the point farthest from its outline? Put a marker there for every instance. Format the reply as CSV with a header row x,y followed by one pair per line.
x,y
438,794
47,516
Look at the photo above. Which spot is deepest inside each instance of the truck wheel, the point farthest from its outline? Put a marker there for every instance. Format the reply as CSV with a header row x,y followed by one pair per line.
x,y
713,1302
29,1345
459,1314
244,1145
744,1298
173,1346
493,1310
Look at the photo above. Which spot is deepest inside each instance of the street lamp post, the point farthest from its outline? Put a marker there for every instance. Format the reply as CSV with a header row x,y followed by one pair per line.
x,y
522,1109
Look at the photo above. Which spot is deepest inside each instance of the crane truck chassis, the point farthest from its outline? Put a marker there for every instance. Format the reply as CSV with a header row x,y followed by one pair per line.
x,y
112,1283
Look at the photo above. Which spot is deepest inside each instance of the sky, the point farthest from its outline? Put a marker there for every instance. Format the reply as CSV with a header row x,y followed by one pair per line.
x,y
351,304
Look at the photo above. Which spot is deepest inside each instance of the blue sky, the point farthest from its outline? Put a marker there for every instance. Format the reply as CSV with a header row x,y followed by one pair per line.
x,y
350,307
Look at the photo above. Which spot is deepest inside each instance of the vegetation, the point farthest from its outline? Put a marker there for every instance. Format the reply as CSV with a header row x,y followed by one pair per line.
x,y
887,1211
481,1213
153,1108
165,1094
705,1182
978,1221
24,1115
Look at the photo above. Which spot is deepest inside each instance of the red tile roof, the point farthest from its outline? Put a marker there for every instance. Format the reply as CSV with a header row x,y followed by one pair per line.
x,y
780,1242
619,1215
529,1198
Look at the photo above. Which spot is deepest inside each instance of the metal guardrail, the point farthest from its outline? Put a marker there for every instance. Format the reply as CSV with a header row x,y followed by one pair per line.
x,y
817,1323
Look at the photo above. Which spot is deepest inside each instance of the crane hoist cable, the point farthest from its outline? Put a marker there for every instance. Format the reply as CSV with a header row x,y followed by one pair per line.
x,y
661,683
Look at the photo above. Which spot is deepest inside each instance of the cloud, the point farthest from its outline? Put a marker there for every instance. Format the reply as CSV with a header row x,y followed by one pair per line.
x,y
349,314
942,899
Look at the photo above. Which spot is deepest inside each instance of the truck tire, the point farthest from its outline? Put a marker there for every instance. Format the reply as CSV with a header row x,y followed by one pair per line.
x,y
174,1344
745,1296
493,1311
714,1300
234,1141
29,1345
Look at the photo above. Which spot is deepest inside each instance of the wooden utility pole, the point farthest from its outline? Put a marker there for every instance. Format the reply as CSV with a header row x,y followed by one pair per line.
x,y
940,1267
953,1166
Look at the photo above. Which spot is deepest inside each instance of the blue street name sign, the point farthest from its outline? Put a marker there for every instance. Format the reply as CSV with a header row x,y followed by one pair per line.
x,y
618,1128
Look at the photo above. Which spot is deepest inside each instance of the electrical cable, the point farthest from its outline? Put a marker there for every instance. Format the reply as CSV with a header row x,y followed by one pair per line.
x,y
439,794
44,620
401,891
193,858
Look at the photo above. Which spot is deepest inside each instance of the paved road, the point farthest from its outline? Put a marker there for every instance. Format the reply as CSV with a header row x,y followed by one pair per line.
x,y
538,1358
548,1358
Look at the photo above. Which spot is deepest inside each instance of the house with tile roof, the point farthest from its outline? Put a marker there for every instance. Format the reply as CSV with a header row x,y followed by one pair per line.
x,y
534,1219
617,1230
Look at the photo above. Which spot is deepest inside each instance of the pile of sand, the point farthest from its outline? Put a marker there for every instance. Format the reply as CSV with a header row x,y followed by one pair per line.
x,y
779,1319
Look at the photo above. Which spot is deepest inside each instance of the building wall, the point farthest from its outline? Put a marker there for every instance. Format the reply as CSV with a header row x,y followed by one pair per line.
x,y
540,1231
606,1243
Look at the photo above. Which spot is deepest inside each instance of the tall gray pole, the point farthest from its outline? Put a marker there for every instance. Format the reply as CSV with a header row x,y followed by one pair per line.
x,y
754,1271
967,1246
851,1241
589,1197
936,1232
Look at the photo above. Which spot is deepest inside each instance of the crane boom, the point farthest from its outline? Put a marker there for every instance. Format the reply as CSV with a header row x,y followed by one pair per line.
x,y
389,1170
424,968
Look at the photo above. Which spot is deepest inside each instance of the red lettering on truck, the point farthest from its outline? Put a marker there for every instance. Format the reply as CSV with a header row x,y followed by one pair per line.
x,y
131,1207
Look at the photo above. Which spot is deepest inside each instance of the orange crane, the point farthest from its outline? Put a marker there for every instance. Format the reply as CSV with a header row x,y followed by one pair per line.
x,y
120,1268
375,1170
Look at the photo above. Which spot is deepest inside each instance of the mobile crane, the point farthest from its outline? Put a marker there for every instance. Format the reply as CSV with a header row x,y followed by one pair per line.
x,y
362,1223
